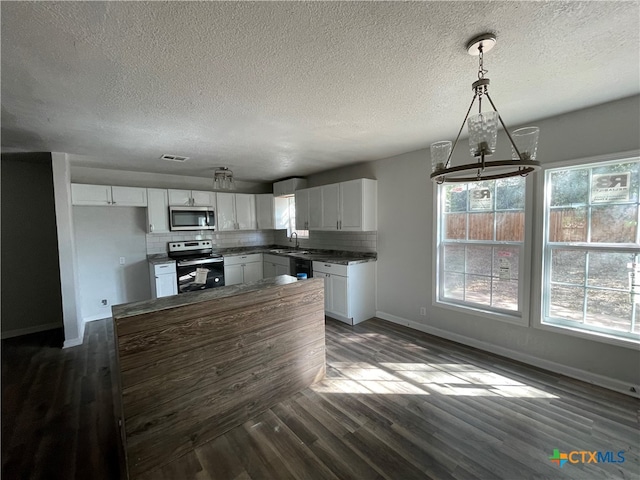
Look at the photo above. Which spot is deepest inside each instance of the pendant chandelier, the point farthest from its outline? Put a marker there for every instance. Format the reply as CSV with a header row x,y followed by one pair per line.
x,y
223,179
483,135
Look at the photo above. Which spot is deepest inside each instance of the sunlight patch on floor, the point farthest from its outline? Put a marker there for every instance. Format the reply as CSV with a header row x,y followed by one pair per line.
x,y
456,379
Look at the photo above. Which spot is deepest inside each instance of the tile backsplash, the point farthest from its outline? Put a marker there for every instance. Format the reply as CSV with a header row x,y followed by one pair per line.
x,y
157,243
349,241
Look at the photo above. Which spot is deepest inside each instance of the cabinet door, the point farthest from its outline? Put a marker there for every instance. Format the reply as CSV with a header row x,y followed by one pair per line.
x,y
157,210
315,208
246,211
233,274
203,199
351,205
166,285
264,211
302,209
268,270
129,196
179,197
90,194
281,270
330,206
339,295
252,272
327,289
226,212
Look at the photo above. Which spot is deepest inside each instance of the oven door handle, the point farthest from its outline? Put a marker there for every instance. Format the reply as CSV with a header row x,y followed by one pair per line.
x,y
187,263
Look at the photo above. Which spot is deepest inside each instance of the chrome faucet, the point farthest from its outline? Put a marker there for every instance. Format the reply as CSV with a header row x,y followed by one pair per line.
x,y
291,238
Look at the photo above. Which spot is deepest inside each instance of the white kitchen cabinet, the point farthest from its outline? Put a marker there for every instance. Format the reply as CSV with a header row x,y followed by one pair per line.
x,y
288,187
302,209
315,209
349,290
330,207
274,265
191,198
359,205
157,210
164,280
236,211
242,268
84,194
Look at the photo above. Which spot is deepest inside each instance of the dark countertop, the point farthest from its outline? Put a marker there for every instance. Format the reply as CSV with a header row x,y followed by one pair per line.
x,y
164,303
339,257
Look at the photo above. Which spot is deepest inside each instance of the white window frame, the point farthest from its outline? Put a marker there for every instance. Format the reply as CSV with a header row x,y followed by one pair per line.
x,y
540,271
520,317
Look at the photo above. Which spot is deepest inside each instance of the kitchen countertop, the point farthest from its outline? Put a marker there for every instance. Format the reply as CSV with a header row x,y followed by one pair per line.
x,y
182,299
339,257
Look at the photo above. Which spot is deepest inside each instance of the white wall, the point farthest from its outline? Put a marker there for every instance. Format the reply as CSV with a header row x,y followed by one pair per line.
x,y
406,236
102,236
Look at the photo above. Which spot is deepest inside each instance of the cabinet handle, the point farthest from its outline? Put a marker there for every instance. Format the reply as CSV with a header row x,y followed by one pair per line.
x,y
327,265
337,225
113,203
151,227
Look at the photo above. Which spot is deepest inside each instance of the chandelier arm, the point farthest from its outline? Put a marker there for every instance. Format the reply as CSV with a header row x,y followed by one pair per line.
x,y
475,95
506,130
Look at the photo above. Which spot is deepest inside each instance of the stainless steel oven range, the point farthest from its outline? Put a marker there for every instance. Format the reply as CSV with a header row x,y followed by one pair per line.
x,y
197,267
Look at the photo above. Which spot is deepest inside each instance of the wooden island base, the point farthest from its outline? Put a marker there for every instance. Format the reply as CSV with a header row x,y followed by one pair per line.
x,y
193,366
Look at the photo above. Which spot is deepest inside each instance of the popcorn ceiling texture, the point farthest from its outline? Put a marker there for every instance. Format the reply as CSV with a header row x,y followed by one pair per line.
x,y
277,89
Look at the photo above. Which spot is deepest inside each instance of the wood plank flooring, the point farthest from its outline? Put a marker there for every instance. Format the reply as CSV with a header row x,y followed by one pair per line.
x,y
396,404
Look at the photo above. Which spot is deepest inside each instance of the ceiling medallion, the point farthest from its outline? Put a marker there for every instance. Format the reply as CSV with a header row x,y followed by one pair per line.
x,y
483,136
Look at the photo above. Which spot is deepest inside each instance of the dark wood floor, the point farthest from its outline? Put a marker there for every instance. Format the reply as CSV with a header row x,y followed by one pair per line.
x,y
396,404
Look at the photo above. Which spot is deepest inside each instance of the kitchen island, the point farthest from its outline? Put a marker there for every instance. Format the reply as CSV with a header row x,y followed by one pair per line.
x,y
193,366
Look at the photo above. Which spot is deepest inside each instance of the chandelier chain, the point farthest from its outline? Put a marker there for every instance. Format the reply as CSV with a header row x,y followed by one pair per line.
x,y
481,70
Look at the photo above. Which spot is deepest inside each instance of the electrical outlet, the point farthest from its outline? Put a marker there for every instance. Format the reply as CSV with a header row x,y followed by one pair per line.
x,y
121,260
423,311
105,301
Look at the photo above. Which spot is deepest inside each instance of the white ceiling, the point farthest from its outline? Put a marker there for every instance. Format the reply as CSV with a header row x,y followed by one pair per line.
x,y
276,89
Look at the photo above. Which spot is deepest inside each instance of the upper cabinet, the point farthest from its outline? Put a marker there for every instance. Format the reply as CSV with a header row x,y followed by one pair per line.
x,y
83,194
157,210
191,198
236,211
346,206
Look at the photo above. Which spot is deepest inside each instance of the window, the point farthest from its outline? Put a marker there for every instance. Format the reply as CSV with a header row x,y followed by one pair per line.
x,y
288,218
592,248
481,238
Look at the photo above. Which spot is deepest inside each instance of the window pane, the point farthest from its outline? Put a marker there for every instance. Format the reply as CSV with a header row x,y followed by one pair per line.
x,y
479,260
568,225
510,227
567,266
609,269
609,310
455,226
566,302
614,223
454,285
569,187
510,193
478,289
455,198
453,258
481,226
505,294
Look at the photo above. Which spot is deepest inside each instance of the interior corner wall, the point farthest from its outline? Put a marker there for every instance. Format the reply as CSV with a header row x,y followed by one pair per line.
x,y
31,292
405,242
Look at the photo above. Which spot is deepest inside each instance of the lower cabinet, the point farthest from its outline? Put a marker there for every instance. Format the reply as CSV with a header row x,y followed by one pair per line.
x,y
164,280
274,266
242,268
349,290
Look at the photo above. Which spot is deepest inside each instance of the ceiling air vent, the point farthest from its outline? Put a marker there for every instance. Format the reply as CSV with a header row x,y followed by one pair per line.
x,y
174,158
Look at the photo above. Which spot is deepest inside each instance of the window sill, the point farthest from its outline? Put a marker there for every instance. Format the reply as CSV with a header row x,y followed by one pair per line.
x,y
589,335
514,319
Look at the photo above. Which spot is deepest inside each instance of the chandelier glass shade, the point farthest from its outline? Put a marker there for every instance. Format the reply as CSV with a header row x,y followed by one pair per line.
x,y
223,179
483,136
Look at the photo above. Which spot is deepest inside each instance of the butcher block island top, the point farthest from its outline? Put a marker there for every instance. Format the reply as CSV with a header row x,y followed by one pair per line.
x,y
195,365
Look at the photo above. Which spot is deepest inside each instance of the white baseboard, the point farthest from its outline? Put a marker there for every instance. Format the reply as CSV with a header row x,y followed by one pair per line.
x,y
74,342
93,318
26,331
589,377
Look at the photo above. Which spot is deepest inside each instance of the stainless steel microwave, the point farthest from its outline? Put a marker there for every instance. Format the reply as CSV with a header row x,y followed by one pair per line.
x,y
192,218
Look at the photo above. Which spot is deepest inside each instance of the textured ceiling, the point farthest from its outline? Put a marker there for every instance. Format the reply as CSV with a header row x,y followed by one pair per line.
x,y
276,89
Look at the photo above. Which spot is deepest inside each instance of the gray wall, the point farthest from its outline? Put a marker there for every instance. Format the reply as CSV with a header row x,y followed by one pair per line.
x,y
406,237
103,235
31,299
